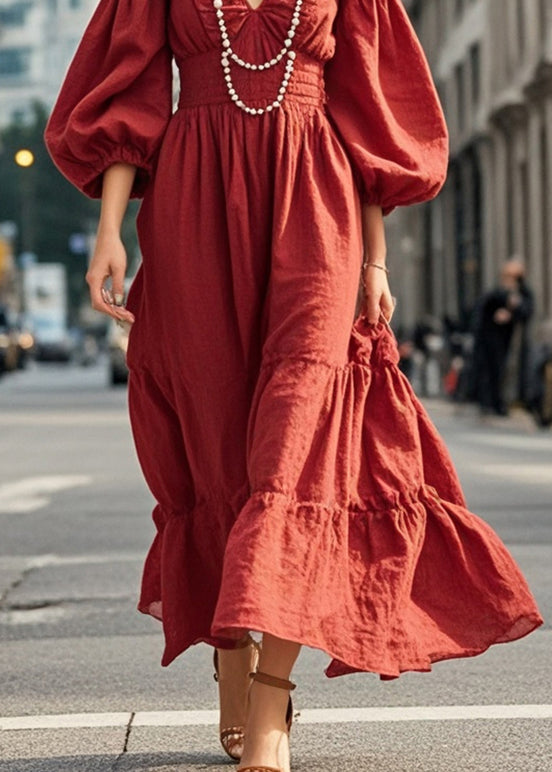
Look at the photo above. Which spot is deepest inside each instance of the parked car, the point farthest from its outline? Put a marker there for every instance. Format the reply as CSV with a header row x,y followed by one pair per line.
x,y
117,342
9,351
53,342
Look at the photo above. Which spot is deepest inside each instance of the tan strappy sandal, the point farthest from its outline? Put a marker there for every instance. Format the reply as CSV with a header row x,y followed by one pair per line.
x,y
259,769
231,737
279,683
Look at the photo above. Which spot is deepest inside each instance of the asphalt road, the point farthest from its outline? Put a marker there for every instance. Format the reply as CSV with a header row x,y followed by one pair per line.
x,y
80,683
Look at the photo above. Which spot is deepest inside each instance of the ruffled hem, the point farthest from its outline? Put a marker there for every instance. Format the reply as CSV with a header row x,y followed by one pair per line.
x,y
366,550
397,588
399,585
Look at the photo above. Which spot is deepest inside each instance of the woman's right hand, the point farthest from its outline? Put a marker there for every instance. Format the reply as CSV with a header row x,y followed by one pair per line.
x,y
109,262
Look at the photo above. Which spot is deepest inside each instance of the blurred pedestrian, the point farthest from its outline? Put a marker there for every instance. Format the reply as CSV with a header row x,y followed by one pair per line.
x,y
501,330
302,491
540,385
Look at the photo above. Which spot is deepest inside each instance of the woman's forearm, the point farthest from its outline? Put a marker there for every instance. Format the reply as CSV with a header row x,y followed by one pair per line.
x,y
378,301
109,260
373,234
117,186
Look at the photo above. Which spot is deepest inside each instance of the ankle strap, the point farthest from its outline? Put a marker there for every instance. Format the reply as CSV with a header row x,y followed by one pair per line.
x,y
270,680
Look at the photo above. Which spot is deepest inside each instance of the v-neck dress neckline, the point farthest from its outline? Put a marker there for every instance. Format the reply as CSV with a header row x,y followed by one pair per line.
x,y
252,8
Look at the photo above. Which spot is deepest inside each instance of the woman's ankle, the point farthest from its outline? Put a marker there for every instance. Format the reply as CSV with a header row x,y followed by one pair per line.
x,y
267,710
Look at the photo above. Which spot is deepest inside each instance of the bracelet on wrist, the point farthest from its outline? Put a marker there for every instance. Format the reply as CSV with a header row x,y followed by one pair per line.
x,y
369,264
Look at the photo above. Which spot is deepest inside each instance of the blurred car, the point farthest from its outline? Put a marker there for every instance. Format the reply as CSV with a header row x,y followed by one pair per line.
x,y
117,343
25,347
52,340
9,352
85,347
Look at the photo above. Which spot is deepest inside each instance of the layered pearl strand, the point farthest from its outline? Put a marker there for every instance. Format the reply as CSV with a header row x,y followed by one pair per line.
x,y
229,55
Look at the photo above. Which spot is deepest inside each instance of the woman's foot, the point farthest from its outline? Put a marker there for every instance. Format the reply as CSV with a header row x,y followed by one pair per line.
x,y
232,669
266,732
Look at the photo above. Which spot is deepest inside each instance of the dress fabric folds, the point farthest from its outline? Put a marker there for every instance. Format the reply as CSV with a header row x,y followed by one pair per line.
x,y
301,488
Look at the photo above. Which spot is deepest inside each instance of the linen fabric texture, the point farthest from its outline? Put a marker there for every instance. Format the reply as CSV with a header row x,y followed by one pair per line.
x,y
301,488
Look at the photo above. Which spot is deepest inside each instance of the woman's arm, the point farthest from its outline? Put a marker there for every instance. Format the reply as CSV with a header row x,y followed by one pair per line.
x,y
377,295
109,259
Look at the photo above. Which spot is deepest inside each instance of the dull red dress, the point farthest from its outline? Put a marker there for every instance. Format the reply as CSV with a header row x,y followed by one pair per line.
x,y
301,488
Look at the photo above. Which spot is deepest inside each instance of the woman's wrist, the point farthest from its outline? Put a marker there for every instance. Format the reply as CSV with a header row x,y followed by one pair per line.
x,y
378,256
373,264
108,230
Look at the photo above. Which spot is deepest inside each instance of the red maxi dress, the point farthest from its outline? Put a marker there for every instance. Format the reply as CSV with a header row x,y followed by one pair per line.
x,y
301,488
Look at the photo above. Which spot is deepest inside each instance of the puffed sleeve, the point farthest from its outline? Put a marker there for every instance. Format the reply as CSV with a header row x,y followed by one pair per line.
x,y
384,106
116,99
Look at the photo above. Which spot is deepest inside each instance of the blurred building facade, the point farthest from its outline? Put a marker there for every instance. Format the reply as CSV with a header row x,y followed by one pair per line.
x,y
492,64
37,41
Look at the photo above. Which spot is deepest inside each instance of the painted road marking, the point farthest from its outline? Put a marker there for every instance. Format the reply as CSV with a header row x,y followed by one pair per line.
x,y
93,420
533,442
66,721
18,562
32,493
320,716
535,474
47,615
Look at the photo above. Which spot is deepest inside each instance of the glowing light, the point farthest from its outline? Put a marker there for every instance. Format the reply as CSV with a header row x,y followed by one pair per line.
x,y
24,158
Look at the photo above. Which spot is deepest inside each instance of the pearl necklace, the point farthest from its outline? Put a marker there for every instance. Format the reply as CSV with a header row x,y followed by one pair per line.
x,y
228,54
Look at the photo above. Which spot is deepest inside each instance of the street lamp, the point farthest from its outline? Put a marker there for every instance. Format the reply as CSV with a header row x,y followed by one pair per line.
x,y
24,159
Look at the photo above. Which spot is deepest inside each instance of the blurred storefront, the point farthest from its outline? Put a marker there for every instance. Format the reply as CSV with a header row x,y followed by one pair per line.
x,y
492,63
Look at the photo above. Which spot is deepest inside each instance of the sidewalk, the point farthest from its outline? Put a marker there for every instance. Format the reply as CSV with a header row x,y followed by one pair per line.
x,y
518,420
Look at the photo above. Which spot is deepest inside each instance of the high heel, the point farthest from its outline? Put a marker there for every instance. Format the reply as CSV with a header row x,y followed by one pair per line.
x,y
279,683
232,737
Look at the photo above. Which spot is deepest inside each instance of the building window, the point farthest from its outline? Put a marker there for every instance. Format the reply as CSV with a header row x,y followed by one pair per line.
x,y
441,15
75,4
458,7
475,73
14,61
459,79
543,20
441,92
547,268
520,19
14,15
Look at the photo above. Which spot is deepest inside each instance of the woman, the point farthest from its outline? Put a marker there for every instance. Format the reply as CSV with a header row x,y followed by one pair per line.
x,y
302,492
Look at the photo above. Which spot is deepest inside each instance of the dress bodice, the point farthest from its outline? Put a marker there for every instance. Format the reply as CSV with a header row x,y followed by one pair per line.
x,y
256,33
361,56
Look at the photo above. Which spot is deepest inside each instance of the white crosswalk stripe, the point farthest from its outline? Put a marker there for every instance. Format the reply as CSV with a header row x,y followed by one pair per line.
x,y
32,493
177,718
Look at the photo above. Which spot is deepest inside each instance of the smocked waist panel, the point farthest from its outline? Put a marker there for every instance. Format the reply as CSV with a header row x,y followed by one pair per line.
x,y
202,82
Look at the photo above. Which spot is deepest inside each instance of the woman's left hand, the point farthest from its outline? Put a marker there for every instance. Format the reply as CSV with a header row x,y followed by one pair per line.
x,y
377,300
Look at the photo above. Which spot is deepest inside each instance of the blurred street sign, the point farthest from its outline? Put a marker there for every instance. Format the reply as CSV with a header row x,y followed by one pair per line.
x,y
26,259
8,230
78,243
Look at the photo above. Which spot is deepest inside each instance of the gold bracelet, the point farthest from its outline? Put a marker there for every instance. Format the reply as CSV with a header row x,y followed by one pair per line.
x,y
375,265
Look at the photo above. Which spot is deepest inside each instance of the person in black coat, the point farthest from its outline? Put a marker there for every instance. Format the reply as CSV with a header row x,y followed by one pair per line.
x,y
499,314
